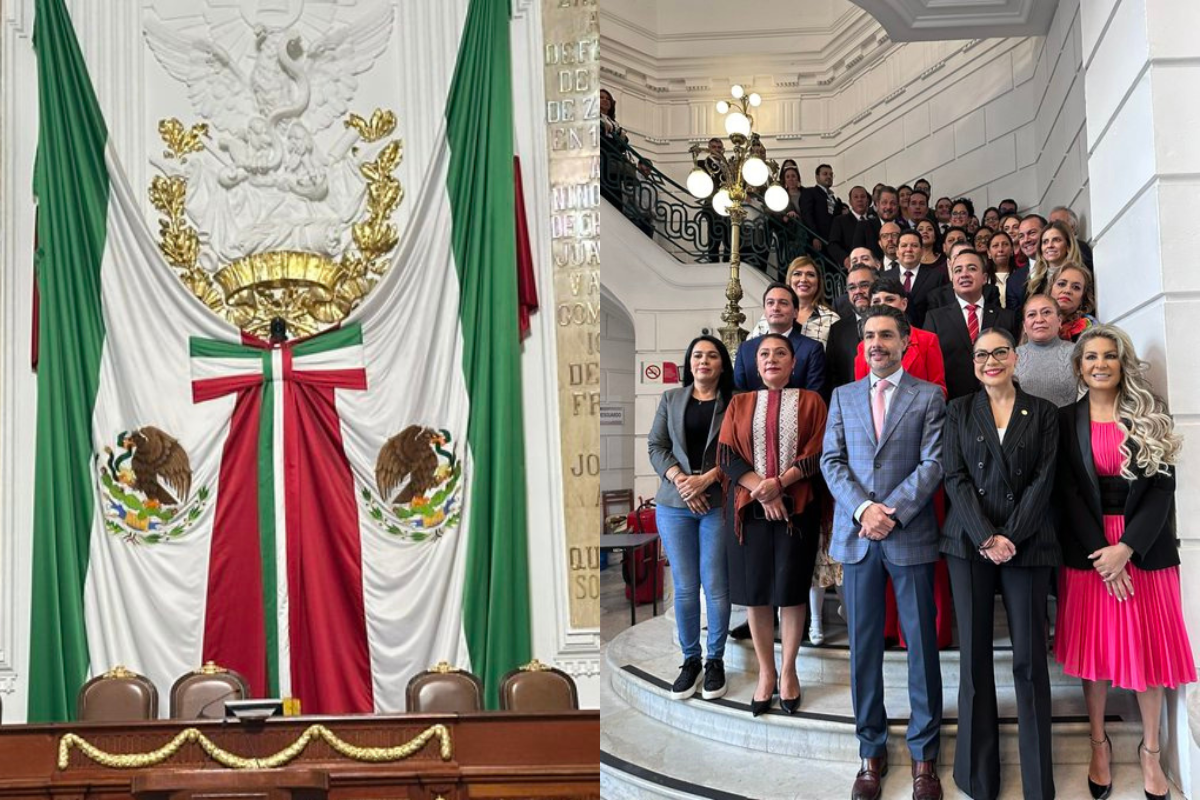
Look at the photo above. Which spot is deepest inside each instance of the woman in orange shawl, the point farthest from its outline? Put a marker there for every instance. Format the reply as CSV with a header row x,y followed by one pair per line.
x,y
770,448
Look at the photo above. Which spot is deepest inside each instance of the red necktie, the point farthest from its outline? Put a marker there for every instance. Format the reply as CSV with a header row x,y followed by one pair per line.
x,y
972,322
908,281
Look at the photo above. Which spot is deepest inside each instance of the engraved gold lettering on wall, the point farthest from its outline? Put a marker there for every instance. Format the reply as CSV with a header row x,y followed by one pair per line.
x,y
571,62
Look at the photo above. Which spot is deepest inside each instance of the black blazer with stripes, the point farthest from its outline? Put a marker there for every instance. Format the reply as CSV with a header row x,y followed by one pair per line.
x,y
1149,508
1001,488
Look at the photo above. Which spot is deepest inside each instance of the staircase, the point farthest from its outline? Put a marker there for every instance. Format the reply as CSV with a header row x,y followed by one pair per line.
x,y
654,747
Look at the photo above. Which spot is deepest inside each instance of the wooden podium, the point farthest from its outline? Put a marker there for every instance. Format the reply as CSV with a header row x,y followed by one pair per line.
x,y
271,784
495,755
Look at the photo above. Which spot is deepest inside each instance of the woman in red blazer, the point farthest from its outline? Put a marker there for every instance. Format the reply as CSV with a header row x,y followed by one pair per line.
x,y
923,360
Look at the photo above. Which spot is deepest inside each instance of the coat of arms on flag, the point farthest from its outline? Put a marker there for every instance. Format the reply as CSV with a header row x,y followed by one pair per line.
x,y
332,425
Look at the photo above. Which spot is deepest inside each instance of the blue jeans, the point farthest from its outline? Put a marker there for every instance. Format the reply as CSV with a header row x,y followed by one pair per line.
x,y
695,545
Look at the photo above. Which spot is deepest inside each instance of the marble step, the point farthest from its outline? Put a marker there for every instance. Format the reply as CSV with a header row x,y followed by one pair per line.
x,y
829,663
643,759
642,661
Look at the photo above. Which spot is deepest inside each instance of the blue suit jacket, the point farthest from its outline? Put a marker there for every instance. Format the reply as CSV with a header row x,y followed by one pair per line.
x,y
902,470
808,373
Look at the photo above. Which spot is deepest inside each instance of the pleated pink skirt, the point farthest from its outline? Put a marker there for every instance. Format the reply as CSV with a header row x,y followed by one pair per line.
x,y
1138,643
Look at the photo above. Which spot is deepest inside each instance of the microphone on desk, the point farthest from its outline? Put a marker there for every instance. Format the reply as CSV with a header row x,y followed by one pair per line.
x,y
223,696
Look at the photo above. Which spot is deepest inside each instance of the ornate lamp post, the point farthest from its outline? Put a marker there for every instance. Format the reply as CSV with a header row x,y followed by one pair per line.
x,y
735,173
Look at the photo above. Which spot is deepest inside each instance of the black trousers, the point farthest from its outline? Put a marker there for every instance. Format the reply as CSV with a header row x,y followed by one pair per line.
x,y
977,752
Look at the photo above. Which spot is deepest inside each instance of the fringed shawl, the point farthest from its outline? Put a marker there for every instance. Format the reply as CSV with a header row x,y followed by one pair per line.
x,y
771,431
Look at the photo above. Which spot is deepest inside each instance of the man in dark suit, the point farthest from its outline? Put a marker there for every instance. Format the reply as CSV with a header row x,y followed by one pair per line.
x,y
917,208
819,206
882,462
845,227
944,295
941,214
888,208
859,257
918,279
958,325
779,307
843,335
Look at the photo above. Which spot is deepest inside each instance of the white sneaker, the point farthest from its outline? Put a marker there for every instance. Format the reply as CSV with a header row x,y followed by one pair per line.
x,y
816,628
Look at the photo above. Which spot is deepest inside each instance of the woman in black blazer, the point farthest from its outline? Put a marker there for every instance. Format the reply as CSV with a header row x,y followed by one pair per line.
x,y
999,453
1120,615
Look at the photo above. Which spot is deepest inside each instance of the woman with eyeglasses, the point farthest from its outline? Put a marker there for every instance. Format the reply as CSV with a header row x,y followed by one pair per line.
x,y
999,453
1120,612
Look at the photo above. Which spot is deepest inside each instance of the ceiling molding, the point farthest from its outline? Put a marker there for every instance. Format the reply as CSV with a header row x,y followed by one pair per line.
x,y
930,20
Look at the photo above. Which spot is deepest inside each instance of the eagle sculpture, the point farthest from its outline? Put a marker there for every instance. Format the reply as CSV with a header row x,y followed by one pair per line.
x,y
411,454
158,456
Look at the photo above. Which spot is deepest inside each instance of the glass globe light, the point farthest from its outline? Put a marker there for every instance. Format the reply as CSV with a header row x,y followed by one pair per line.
x,y
777,197
737,91
699,183
721,201
737,122
722,106
755,99
755,171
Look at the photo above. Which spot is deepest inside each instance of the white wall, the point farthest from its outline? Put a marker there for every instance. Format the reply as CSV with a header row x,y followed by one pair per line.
x,y
617,372
1142,65
670,304
988,119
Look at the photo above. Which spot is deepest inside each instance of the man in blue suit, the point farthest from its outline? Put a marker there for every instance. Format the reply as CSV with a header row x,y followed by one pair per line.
x,y
882,461
779,306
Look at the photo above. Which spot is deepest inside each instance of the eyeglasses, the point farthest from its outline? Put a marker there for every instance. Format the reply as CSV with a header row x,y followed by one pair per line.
x,y
1000,354
858,287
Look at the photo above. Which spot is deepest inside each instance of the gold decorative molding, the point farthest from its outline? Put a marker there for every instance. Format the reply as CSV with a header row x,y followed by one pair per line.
x,y
309,291
536,666
120,671
181,141
374,755
210,668
444,668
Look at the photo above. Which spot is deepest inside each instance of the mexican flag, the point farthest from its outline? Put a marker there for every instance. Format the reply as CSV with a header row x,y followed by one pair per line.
x,y
326,515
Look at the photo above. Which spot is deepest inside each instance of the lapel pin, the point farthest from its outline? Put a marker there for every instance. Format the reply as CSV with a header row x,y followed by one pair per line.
x,y
1024,411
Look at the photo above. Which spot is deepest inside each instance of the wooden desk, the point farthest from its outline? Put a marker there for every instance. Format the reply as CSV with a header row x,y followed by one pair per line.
x,y
498,756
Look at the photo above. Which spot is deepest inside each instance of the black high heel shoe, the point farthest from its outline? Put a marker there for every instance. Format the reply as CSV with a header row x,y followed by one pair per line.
x,y
1150,795
1101,791
790,706
760,707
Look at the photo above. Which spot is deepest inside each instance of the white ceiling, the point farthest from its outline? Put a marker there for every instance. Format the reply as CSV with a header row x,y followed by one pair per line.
x,y
926,20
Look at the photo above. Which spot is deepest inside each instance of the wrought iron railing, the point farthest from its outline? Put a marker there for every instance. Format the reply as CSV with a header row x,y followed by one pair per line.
x,y
691,231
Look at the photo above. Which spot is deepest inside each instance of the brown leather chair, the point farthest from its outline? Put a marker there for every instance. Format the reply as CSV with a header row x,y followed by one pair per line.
x,y
444,689
118,695
538,687
201,694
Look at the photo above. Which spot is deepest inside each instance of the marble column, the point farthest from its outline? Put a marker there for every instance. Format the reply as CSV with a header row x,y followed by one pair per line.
x,y
1142,61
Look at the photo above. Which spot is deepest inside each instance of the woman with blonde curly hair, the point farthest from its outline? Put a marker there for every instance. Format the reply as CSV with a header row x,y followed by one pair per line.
x,y
1120,616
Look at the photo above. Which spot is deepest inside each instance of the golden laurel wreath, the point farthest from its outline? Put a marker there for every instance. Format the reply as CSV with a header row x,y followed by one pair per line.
x,y
223,757
310,291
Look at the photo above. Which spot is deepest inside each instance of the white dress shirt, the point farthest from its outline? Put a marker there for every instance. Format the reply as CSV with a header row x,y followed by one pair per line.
x,y
962,305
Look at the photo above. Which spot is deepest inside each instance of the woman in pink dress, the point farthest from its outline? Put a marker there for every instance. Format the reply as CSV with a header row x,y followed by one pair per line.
x,y
1120,616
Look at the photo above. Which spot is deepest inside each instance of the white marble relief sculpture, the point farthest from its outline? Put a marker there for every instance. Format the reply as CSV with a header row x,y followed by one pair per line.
x,y
269,77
